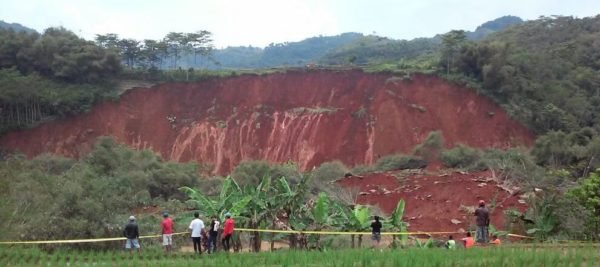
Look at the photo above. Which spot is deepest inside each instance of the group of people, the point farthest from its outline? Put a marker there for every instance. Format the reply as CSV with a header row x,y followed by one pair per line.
x,y
198,233
482,221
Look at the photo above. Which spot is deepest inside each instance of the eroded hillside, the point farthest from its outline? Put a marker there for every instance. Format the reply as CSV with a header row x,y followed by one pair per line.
x,y
304,116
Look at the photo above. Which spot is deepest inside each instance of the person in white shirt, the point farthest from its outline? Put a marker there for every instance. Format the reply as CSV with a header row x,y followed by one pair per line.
x,y
213,232
196,229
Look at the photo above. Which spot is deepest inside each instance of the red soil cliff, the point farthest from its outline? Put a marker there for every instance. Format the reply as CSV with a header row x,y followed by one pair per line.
x,y
307,117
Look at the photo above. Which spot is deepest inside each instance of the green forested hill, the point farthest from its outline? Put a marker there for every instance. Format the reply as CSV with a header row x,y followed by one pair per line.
x,y
376,49
545,73
275,55
15,27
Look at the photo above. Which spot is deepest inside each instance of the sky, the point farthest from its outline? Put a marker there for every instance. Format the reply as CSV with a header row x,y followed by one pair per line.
x,y
261,22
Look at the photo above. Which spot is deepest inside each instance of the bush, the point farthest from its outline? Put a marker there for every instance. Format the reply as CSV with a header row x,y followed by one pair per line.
x,y
329,171
89,197
430,146
460,156
250,172
399,162
362,169
515,165
288,170
554,149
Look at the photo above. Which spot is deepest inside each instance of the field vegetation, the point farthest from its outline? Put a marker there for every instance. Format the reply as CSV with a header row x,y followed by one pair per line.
x,y
510,256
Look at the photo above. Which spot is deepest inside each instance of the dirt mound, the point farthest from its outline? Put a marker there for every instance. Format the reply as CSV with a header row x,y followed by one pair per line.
x,y
305,116
434,200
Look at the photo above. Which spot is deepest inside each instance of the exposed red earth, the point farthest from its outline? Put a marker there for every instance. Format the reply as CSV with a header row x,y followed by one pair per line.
x,y
308,117
433,200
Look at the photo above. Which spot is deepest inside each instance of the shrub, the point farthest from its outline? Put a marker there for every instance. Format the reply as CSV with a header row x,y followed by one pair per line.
x,y
86,198
432,144
399,162
288,170
554,149
250,172
515,165
460,156
329,171
362,169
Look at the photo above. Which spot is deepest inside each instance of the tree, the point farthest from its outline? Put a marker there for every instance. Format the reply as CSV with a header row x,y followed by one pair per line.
x,y
200,43
175,42
61,54
588,195
130,51
109,40
451,43
151,53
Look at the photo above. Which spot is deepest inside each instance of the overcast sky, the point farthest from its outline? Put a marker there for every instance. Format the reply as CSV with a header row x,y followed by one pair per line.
x,y
260,22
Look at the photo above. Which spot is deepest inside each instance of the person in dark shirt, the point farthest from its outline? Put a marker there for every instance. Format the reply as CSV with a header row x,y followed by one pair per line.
x,y
132,234
213,232
483,222
376,232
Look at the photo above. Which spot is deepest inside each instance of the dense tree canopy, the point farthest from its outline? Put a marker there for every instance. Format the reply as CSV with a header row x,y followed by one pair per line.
x,y
57,53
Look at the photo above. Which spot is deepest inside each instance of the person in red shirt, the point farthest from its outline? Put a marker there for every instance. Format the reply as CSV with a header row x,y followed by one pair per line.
x,y
468,241
227,231
167,232
496,241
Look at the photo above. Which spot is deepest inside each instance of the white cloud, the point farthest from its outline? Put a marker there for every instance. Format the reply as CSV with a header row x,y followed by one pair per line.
x,y
260,22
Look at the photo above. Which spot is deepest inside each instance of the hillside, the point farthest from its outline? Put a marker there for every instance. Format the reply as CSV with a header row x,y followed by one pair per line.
x,y
334,49
15,27
308,117
377,49
299,53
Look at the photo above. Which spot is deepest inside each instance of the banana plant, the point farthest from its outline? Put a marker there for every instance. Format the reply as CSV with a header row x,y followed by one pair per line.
x,y
398,224
257,210
287,200
321,215
426,244
230,199
356,220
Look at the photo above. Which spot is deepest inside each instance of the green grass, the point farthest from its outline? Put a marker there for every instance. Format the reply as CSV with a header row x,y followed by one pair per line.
x,y
507,256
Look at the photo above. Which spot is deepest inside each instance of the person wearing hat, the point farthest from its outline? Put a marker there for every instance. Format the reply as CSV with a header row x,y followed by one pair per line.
x,y
132,234
167,232
483,222
227,231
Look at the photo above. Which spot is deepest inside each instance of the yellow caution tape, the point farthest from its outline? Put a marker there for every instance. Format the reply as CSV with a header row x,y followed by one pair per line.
x,y
339,232
520,236
240,230
80,240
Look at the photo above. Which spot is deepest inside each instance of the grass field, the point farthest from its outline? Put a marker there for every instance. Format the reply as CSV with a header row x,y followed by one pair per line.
x,y
508,256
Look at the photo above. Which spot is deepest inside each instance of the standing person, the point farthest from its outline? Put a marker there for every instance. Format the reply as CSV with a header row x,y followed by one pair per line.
x,y
376,232
227,231
468,241
205,244
132,234
483,222
451,244
213,232
167,232
196,229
